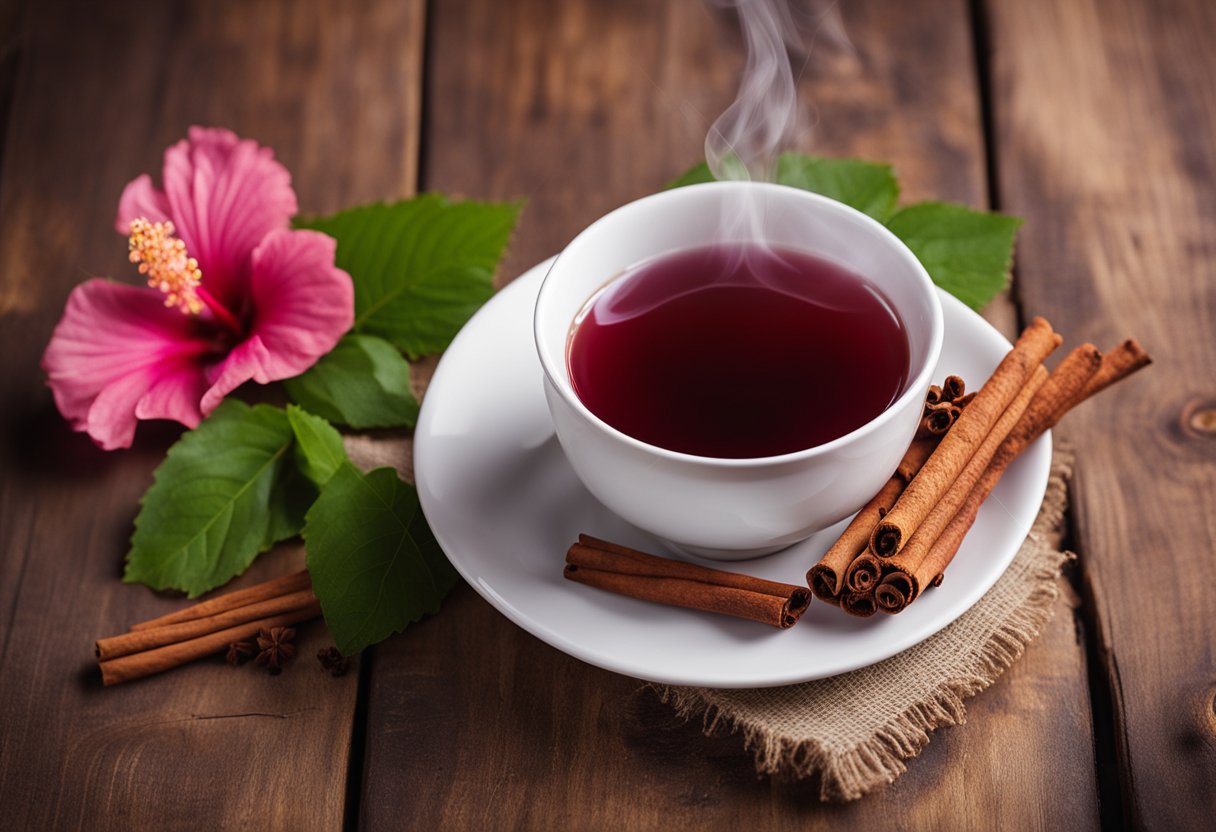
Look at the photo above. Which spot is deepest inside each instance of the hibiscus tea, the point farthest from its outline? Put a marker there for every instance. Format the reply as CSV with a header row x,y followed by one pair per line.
x,y
738,350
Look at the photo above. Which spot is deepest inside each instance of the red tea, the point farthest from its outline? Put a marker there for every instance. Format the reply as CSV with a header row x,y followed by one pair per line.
x,y
738,350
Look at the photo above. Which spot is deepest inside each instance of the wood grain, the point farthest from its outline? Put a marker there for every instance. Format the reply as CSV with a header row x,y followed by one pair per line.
x,y
1107,118
581,106
100,90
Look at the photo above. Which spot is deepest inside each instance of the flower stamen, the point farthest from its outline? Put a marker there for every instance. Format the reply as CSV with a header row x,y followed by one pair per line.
x,y
169,268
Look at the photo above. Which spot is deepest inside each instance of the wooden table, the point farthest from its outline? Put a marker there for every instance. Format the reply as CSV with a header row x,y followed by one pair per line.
x,y
1096,121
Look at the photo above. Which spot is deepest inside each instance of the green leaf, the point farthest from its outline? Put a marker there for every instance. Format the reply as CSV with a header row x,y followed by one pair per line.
x,y
421,267
869,187
968,253
374,563
693,176
290,498
363,382
208,513
319,449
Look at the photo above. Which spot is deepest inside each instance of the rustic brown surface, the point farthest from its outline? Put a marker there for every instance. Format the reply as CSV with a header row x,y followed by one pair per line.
x,y
1105,116
472,722
1108,149
99,89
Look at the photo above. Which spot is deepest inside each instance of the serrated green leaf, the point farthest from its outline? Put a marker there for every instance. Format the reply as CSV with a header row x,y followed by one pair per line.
x,y
290,497
374,562
869,187
421,267
208,514
318,449
363,383
968,253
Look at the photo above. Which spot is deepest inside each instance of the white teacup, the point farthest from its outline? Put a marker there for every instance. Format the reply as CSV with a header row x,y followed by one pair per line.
x,y
729,509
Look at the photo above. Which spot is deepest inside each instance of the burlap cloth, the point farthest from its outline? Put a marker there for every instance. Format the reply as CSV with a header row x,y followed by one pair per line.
x,y
856,730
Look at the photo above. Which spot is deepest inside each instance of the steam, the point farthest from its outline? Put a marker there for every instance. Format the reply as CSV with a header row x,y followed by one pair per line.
x,y
764,119
747,140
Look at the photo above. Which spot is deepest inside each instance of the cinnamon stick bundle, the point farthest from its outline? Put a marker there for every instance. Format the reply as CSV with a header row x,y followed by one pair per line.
x,y
283,585
148,638
137,665
1068,386
968,432
1083,372
625,571
208,627
890,583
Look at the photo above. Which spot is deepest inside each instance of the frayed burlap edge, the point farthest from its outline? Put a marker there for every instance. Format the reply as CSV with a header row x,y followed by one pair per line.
x,y
847,774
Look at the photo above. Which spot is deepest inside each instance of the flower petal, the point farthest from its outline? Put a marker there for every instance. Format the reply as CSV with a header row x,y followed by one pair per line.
x,y
176,394
302,306
225,194
118,355
140,199
244,363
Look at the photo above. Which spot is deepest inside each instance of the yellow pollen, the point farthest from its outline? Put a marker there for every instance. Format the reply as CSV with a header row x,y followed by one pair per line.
x,y
163,258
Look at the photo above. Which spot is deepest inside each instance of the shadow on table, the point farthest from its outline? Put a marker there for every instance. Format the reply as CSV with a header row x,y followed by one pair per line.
x,y
38,444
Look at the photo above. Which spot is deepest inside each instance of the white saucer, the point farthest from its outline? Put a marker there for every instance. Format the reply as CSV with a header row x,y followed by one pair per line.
x,y
505,505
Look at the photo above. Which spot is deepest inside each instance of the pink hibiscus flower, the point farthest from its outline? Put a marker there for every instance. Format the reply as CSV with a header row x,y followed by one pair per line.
x,y
232,294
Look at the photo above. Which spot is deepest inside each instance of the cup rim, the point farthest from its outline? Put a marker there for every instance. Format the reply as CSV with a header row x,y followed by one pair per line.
x,y
920,382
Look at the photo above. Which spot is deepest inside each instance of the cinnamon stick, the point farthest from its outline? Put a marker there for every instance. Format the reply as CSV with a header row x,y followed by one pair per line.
x,y
939,417
626,571
145,663
1064,385
953,388
860,604
915,458
959,444
231,600
1116,365
863,573
895,591
1054,399
151,638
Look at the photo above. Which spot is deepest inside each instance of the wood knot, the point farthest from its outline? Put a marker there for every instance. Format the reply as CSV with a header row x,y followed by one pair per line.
x,y
1199,418
1204,421
1206,723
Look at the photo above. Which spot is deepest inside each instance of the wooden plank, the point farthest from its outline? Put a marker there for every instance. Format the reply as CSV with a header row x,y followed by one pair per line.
x,y
1107,119
102,89
582,106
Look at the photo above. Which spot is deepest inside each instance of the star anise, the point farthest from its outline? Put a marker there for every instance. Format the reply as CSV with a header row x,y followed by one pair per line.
x,y
331,659
240,652
276,648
